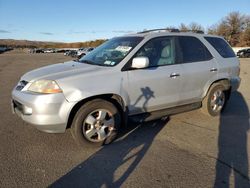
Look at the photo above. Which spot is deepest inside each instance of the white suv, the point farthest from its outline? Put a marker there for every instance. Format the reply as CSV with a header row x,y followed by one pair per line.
x,y
143,76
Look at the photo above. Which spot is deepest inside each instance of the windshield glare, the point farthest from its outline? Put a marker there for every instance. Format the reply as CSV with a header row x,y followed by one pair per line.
x,y
111,52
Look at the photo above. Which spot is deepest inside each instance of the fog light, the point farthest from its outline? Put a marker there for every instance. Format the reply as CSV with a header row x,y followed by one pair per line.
x,y
27,110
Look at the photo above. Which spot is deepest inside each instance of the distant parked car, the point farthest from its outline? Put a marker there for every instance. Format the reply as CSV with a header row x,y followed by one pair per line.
x,y
40,51
31,51
49,50
83,51
72,53
66,53
2,49
244,53
37,50
60,51
5,49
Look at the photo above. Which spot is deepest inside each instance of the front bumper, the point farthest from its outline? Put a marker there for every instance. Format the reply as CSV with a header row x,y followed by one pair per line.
x,y
47,112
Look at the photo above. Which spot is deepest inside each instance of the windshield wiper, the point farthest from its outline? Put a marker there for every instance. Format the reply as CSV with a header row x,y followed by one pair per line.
x,y
93,63
76,60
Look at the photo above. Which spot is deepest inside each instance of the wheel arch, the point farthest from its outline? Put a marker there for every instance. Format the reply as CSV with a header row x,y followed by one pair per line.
x,y
223,81
115,99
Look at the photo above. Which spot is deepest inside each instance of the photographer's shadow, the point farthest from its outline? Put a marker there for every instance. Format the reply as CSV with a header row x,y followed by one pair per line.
x,y
232,144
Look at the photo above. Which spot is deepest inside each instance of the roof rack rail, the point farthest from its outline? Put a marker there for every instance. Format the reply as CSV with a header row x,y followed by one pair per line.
x,y
194,31
152,30
172,30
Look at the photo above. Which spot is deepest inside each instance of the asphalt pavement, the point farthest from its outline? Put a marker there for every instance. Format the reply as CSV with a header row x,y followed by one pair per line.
x,y
186,150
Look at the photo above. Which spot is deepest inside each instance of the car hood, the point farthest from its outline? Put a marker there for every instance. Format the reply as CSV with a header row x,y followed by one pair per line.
x,y
61,70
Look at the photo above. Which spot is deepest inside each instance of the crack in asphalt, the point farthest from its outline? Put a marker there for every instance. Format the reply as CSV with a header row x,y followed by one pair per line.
x,y
197,126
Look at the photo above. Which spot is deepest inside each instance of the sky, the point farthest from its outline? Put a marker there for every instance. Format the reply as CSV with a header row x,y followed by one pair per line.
x,y
84,20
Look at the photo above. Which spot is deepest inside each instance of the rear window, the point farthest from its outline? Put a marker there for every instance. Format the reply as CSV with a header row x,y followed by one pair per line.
x,y
221,47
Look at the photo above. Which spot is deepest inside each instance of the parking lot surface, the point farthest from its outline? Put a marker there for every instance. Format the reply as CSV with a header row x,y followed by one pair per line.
x,y
186,150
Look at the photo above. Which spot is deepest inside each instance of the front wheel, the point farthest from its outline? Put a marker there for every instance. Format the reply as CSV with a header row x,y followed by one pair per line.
x,y
215,100
96,123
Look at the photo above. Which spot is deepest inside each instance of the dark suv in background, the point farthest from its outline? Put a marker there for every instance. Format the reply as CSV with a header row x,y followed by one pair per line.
x,y
244,53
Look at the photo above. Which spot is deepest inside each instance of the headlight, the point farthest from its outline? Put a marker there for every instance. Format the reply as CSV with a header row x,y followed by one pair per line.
x,y
45,86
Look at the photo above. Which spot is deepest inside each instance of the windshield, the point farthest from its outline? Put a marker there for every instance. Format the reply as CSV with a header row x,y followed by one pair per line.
x,y
111,52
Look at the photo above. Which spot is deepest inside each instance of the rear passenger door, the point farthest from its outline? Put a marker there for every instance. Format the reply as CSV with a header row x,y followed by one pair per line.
x,y
227,61
198,65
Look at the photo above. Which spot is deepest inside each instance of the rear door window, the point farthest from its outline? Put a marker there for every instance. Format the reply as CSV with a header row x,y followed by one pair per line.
x,y
191,49
221,46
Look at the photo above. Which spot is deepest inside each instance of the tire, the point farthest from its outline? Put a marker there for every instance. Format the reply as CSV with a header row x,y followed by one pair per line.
x,y
215,100
96,123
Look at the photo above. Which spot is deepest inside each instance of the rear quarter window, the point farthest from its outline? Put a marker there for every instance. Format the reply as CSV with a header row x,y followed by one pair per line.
x,y
221,46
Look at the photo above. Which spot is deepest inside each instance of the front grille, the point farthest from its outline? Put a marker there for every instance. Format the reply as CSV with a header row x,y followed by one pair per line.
x,y
21,85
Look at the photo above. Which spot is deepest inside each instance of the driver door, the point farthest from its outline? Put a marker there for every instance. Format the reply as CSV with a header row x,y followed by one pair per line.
x,y
157,86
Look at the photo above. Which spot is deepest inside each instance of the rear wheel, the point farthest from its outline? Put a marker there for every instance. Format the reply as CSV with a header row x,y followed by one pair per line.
x,y
215,100
96,123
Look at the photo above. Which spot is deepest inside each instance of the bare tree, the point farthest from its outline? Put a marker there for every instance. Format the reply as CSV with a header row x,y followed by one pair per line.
x,y
195,27
245,37
191,27
234,28
212,30
183,27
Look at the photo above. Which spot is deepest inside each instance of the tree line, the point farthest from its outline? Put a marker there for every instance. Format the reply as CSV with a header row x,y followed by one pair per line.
x,y
40,44
235,28
93,43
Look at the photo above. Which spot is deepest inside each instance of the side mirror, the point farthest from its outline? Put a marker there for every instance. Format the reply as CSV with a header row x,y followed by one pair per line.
x,y
140,62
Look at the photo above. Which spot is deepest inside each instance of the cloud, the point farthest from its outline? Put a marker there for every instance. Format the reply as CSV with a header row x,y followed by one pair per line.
x,y
46,33
4,31
123,31
76,32
85,32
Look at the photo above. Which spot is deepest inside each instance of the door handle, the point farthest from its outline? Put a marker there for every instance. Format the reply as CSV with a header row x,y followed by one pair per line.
x,y
213,69
174,75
